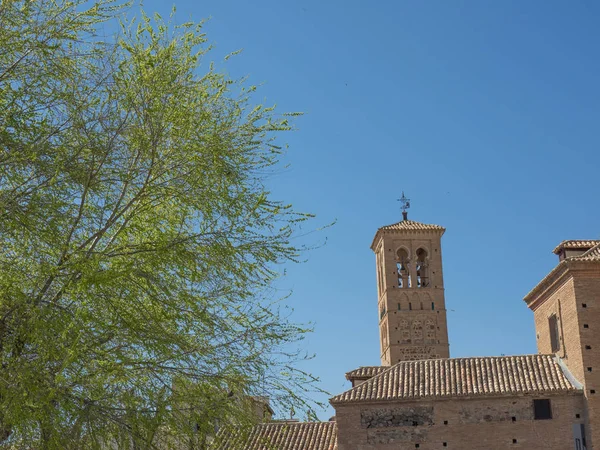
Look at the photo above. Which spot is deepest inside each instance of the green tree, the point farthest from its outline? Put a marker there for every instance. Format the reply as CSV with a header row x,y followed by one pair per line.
x,y
138,242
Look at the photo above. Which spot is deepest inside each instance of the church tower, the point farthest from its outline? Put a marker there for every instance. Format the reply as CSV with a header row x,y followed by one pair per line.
x,y
410,286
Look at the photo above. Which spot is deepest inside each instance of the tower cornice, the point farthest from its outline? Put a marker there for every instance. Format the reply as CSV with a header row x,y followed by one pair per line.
x,y
407,226
556,278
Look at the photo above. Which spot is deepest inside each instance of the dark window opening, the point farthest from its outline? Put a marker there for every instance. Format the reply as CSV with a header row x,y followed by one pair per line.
x,y
584,305
399,307
514,441
416,445
585,325
588,347
514,419
553,325
410,306
589,369
592,391
445,422
402,268
432,306
542,409
577,416
422,268
445,444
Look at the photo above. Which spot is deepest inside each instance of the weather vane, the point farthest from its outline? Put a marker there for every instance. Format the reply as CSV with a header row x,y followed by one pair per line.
x,y
405,205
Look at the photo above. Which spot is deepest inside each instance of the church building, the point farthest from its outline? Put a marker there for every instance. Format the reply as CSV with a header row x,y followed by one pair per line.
x,y
420,398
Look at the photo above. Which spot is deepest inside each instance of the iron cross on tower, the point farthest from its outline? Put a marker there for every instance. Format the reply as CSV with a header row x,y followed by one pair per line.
x,y
405,205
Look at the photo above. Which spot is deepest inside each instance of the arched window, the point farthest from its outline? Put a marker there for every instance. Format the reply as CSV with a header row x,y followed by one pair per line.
x,y
384,335
382,311
404,301
417,331
379,274
402,268
422,268
416,301
430,331
404,332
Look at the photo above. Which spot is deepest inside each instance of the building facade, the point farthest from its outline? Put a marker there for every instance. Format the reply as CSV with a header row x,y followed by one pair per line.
x,y
420,398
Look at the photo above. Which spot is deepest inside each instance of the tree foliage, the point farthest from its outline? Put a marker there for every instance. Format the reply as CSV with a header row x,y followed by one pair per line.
x,y
138,240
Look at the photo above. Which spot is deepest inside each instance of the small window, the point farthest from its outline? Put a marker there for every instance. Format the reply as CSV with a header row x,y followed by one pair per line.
x,y
588,347
577,416
445,444
514,441
553,325
399,308
445,422
585,325
589,369
542,409
584,305
432,306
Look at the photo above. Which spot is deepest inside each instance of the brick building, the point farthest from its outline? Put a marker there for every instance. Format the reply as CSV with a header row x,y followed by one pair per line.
x,y
420,398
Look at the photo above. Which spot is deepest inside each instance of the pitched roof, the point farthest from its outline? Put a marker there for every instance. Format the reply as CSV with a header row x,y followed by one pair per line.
x,y
365,372
412,225
280,436
575,244
463,377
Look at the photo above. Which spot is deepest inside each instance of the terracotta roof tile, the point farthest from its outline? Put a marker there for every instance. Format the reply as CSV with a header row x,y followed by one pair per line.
x,y
593,254
280,436
575,244
456,377
406,225
365,372
412,225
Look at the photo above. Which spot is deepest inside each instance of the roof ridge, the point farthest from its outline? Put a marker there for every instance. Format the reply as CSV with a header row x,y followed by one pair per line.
x,y
284,422
410,222
279,435
543,375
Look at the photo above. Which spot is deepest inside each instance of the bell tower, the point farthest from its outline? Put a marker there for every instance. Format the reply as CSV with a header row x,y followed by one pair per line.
x,y
410,286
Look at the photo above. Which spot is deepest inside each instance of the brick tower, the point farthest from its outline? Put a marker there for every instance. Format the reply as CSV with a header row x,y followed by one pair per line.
x,y
566,307
410,286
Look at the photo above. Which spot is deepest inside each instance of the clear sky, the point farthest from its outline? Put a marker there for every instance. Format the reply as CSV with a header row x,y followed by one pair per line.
x,y
486,113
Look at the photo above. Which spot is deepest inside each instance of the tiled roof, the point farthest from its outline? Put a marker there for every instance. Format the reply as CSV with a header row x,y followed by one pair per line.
x,y
281,436
463,377
593,254
365,372
411,225
406,225
575,244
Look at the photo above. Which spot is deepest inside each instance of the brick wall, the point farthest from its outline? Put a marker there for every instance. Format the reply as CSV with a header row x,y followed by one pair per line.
x,y
575,300
412,320
465,424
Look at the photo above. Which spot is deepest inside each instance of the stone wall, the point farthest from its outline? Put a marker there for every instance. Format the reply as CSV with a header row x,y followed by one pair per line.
x,y
465,424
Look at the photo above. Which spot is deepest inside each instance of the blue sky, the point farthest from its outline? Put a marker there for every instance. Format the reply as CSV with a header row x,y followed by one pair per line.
x,y
485,113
